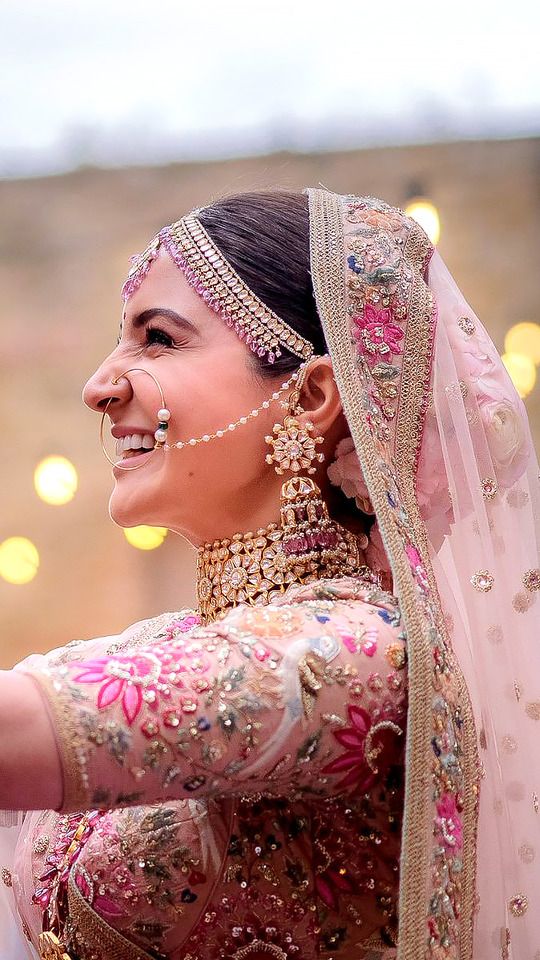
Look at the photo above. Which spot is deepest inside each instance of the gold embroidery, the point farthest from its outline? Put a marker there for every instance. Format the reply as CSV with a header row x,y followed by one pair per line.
x,y
6,877
482,581
50,948
90,931
330,286
467,325
41,844
533,710
257,947
489,487
310,669
531,580
518,905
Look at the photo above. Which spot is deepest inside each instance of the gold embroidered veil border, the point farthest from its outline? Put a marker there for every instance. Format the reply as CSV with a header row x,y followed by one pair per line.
x,y
426,875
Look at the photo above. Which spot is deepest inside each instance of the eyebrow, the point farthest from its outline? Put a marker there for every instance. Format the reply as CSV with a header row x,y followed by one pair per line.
x,y
141,319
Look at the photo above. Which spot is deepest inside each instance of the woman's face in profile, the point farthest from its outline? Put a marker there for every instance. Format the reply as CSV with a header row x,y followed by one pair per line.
x,y
209,380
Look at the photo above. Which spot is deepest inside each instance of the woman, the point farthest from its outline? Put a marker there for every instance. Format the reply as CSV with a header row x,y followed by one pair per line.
x,y
336,753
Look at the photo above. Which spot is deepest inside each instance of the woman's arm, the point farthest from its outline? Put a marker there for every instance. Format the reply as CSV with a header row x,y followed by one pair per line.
x,y
303,697
30,766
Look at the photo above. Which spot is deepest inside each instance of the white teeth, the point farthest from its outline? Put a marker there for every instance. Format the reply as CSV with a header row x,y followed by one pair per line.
x,y
134,441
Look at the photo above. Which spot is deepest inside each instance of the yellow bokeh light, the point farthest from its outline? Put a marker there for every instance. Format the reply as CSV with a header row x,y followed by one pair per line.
x,y
522,371
19,560
145,538
426,214
55,480
524,338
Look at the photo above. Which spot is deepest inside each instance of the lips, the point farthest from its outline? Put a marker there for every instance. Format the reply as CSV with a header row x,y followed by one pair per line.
x,y
133,455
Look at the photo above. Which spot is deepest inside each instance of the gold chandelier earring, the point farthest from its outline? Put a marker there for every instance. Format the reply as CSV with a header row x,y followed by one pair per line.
x,y
309,534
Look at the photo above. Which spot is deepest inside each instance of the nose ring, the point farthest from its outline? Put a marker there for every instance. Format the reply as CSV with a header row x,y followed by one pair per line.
x,y
163,416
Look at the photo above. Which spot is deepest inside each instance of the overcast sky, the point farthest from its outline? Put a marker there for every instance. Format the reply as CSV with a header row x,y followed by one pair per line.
x,y
116,81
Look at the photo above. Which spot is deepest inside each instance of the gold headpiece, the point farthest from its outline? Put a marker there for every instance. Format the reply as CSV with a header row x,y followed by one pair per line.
x,y
206,269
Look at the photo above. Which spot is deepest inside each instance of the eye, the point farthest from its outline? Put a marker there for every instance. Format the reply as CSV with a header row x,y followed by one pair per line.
x,y
155,335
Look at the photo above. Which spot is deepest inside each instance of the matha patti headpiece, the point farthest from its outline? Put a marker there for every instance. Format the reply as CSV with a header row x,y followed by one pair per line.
x,y
215,280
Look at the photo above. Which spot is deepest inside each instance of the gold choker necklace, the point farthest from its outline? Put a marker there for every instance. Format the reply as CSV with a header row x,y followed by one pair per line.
x,y
252,568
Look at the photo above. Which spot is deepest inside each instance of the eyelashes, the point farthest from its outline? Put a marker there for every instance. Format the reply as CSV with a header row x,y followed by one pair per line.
x,y
154,335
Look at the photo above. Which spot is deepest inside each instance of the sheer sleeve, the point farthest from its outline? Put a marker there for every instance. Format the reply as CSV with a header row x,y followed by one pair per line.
x,y
304,697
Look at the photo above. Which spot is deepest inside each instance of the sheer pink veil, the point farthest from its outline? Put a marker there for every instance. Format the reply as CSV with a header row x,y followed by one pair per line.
x,y
479,497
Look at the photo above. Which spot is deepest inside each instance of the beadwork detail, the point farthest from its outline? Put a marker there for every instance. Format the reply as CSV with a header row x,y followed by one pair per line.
x,y
518,905
489,487
467,325
221,287
531,580
218,434
482,581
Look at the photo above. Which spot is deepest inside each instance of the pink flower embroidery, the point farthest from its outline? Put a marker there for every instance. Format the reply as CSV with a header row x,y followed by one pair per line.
x,y
330,884
366,642
377,337
353,760
417,566
182,626
132,680
449,822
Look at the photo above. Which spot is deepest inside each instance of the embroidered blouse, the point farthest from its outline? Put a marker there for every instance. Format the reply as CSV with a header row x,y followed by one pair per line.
x,y
241,782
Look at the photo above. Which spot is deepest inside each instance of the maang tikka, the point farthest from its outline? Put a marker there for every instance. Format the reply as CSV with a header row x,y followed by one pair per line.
x,y
308,531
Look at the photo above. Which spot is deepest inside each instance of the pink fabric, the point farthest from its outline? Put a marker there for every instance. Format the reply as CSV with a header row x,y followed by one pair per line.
x,y
478,432
283,729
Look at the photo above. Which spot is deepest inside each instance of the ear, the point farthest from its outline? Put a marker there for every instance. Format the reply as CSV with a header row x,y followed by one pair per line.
x,y
319,397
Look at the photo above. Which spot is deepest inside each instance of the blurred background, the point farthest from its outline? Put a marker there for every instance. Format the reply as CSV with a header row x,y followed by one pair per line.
x,y
118,117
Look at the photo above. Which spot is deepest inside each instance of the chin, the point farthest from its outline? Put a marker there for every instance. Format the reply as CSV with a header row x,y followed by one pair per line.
x,y
126,514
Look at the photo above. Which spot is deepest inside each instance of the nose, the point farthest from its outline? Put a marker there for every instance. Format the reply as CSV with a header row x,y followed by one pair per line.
x,y
99,389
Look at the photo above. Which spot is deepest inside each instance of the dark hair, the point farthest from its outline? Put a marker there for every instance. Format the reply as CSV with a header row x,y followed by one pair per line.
x,y
265,236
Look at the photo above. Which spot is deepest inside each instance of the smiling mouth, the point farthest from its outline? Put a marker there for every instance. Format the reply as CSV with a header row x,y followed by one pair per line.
x,y
134,454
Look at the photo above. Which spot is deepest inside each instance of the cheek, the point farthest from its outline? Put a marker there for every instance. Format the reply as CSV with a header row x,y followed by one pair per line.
x,y
227,462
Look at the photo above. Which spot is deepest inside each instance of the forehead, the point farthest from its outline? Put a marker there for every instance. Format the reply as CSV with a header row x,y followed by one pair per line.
x,y
164,285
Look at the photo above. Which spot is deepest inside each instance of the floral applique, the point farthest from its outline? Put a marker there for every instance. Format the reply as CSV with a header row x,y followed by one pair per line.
x,y
138,680
417,567
449,822
354,759
378,338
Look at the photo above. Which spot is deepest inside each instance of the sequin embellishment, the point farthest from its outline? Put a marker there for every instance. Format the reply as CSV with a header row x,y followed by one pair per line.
x,y
482,581
466,324
531,580
518,905
489,487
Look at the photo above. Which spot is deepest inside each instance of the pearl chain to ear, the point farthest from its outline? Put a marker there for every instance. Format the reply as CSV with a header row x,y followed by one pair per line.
x,y
230,427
